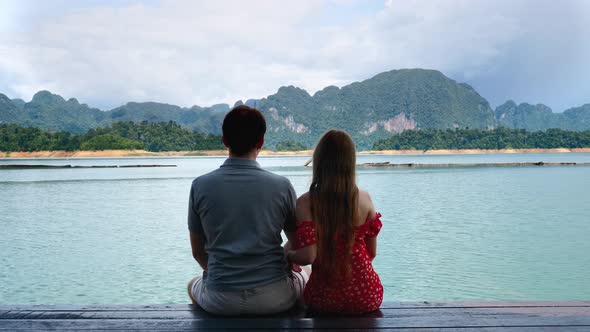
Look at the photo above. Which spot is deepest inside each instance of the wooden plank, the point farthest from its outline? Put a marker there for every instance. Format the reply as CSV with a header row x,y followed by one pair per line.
x,y
487,329
476,316
17,314
504,311
480,304
386,305
530,310
434,329
384,313
244,323
448,317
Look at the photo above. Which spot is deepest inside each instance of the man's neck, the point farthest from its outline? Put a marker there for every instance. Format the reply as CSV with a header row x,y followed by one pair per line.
x,y
250,155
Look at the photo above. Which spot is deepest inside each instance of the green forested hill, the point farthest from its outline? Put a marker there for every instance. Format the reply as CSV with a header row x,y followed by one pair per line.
x,y
9,111
161,136
500,138
196,118
375,108
539,117
371,110
52,112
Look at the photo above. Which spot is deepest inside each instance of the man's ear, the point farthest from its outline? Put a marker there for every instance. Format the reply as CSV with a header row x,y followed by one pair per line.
x,y
224,141
260,143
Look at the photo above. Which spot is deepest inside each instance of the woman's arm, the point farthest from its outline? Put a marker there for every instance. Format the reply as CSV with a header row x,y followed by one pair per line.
x,y
371,246
300,256
366,205
305,255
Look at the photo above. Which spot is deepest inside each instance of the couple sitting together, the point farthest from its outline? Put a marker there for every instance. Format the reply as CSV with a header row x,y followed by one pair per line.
x,y
237,213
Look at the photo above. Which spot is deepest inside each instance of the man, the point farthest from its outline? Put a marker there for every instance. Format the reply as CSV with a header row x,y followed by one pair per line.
x,y
235,218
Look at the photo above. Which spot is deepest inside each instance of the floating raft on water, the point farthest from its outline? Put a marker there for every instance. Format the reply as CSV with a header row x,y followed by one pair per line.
x,y
13,166
539,163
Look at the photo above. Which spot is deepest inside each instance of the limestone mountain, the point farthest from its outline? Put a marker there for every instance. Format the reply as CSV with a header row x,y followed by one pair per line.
x,y
540,117
197,118
10,112
370,110
390,102
52,112
577,118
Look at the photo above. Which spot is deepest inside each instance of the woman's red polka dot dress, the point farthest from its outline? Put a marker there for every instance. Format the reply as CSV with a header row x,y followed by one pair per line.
x,y
360,293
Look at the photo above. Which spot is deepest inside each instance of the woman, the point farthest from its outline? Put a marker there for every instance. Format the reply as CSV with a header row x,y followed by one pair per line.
x,y
336,231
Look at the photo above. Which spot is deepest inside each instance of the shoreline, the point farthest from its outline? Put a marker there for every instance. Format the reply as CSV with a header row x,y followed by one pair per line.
x,y
223,153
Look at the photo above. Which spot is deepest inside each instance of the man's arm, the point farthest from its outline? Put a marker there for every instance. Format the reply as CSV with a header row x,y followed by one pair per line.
x,y
290,218
290,206
198,249
197,235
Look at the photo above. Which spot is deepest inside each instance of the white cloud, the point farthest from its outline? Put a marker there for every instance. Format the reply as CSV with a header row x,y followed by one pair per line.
x,y
204,52
524,50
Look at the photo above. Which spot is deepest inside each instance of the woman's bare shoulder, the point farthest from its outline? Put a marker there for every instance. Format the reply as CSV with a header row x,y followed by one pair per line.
x,y
303,199
303,210
366,206
365,198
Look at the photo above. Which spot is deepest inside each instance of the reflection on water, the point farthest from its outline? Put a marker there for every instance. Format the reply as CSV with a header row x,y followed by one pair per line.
x,y
86,236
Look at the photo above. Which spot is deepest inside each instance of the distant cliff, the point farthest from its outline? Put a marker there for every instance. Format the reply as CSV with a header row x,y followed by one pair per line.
x,y
373,109
540,117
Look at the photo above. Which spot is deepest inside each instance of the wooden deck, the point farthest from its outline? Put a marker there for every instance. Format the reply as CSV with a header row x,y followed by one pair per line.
x,y
422,316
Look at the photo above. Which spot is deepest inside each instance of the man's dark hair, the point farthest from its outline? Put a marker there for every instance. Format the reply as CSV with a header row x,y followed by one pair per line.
x,y
243,127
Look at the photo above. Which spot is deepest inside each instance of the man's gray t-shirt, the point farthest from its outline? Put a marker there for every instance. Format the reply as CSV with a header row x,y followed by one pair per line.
x,y
241,210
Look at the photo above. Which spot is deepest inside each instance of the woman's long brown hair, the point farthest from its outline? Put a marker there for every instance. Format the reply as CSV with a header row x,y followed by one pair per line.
x,y
334,202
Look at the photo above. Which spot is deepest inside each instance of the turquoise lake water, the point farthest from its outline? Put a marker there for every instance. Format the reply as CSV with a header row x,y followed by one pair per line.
x,y
118,236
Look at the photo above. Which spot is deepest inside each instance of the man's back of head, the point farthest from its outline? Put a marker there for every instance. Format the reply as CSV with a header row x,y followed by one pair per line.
x,y
243,130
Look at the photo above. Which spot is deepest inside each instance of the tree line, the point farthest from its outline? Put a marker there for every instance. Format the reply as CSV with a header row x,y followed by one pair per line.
x,y
160,136
500,138
169,136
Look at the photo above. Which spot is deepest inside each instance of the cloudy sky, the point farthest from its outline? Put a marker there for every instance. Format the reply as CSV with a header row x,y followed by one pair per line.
x,y
189,52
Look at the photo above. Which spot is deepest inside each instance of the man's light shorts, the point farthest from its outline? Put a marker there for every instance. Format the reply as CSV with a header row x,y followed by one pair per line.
x,y
272,298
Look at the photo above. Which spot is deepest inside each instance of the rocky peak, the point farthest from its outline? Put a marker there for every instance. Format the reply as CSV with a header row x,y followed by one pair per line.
x,y
46,97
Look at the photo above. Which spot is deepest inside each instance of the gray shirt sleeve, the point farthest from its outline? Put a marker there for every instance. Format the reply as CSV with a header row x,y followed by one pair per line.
x,y
194,220
290,225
